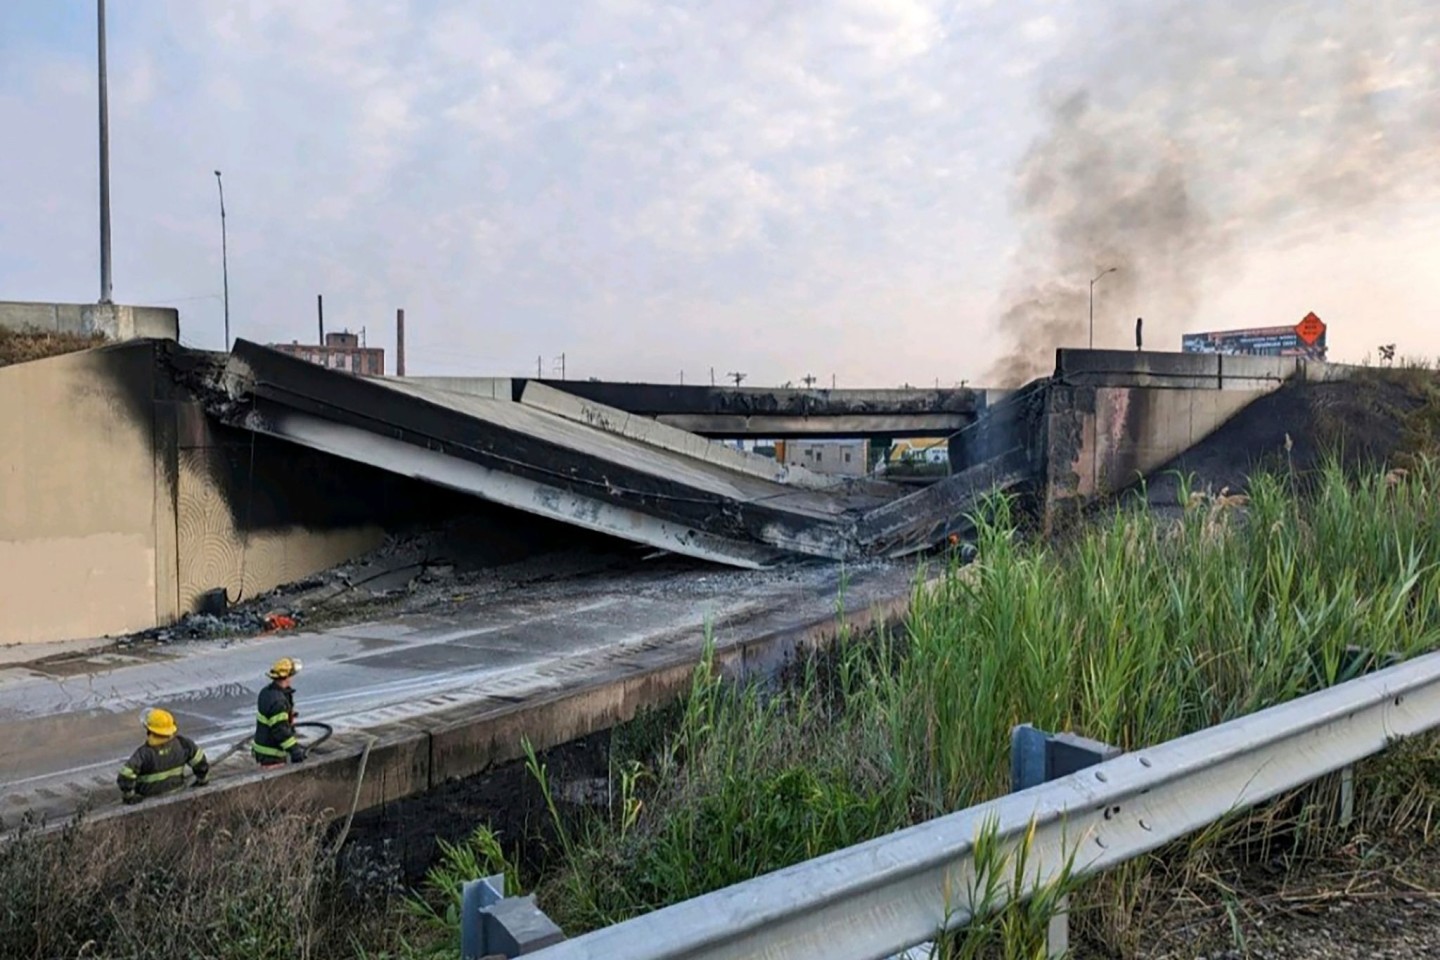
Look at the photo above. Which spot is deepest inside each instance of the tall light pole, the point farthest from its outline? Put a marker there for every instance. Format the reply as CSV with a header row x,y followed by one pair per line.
x,y
1092,303
104,158
224,257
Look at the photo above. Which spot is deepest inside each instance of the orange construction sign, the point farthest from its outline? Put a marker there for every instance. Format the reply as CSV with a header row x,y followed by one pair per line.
x,y
1310,329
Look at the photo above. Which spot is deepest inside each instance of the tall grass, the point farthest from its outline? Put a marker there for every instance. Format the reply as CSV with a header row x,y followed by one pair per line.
x,y
1146,628
1134,631
252,881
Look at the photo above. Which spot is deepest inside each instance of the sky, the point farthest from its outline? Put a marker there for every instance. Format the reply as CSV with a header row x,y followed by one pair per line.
x,y
874,191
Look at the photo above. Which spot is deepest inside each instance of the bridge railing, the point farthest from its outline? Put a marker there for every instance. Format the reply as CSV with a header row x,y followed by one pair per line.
x,y
883,896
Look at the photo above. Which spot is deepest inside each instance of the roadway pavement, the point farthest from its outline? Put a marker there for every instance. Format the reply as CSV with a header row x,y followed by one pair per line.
x,y
67,723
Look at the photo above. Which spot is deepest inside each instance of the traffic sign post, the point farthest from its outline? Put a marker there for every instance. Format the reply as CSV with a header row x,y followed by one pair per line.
x,y
1311,329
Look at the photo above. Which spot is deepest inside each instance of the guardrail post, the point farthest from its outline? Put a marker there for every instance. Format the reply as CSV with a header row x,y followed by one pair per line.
x,y
1038,757
492,924
475,896
1355,662
1347,795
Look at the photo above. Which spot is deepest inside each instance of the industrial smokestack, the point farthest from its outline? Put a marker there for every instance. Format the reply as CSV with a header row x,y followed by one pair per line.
x,y
320,316
399,343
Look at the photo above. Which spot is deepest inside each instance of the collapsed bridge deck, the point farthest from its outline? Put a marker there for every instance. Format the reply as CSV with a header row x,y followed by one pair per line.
x,y
579,462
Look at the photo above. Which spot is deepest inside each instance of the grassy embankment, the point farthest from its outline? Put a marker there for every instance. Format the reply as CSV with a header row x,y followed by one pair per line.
x,y
1133,632
22,346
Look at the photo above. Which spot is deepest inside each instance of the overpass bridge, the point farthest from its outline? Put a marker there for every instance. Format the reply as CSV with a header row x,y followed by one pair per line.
x,y
775,413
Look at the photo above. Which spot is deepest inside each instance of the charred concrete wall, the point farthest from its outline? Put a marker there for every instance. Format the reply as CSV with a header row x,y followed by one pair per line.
x,y
658,399
1190,371
1108,418
87,534
120,502
1017,420
1100,440
250,525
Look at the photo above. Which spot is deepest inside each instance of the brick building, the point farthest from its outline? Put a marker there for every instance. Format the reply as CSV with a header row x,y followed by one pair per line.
x,y
340,351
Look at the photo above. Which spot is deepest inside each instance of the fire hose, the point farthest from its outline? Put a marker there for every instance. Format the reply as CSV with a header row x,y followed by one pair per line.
x,y
326,731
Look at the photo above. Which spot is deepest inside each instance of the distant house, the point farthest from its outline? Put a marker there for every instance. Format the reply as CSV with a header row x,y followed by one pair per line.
x,y
840,457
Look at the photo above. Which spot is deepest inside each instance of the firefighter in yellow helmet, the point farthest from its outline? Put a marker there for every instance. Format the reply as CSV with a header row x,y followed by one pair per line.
x,y
158,767
275,740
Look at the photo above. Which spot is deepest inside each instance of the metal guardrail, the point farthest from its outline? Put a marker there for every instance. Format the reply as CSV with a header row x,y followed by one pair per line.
x,y
877,898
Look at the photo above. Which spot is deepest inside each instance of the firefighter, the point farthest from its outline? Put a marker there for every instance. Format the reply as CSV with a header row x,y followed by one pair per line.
x,y
275,721
158,767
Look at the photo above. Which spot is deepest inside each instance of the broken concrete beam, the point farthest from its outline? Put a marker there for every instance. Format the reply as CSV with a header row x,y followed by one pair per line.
x,y
657,434
933,514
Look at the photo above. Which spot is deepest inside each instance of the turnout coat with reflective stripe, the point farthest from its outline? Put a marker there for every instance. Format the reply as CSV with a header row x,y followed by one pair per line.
x,y
274,727
157,768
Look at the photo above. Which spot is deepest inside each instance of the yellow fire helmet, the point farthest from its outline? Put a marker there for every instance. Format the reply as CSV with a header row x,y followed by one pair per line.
x,y
285,667
159,722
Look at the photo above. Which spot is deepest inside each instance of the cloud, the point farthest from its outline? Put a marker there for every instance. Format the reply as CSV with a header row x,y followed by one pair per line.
x,y
1187,139
764,184
1040,29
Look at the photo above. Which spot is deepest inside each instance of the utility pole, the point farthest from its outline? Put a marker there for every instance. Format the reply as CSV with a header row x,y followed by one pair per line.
x,y
737,377
712,376
809,380
105,286
320,316
560,365
540,368
225,259
682,378
1092,302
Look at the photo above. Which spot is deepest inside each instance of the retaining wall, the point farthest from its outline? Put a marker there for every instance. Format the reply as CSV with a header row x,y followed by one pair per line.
x,y
120,504
87,532
1113,417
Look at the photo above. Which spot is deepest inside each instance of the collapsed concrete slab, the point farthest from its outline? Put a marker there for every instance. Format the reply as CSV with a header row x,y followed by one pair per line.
x,y
942,510
584,464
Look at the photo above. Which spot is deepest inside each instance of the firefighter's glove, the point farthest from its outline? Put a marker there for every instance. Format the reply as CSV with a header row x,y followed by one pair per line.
x,y
297,754
201,782
131,799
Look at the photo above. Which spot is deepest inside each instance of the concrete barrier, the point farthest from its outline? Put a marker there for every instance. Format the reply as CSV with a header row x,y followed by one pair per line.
x,y
116,321
1190,371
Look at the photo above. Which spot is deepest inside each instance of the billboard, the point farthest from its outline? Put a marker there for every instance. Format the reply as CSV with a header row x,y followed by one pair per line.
x,y
1304,339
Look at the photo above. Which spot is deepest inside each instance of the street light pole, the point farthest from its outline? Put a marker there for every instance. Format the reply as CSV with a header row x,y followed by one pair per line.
x,y
105,287
1092,303
224,257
